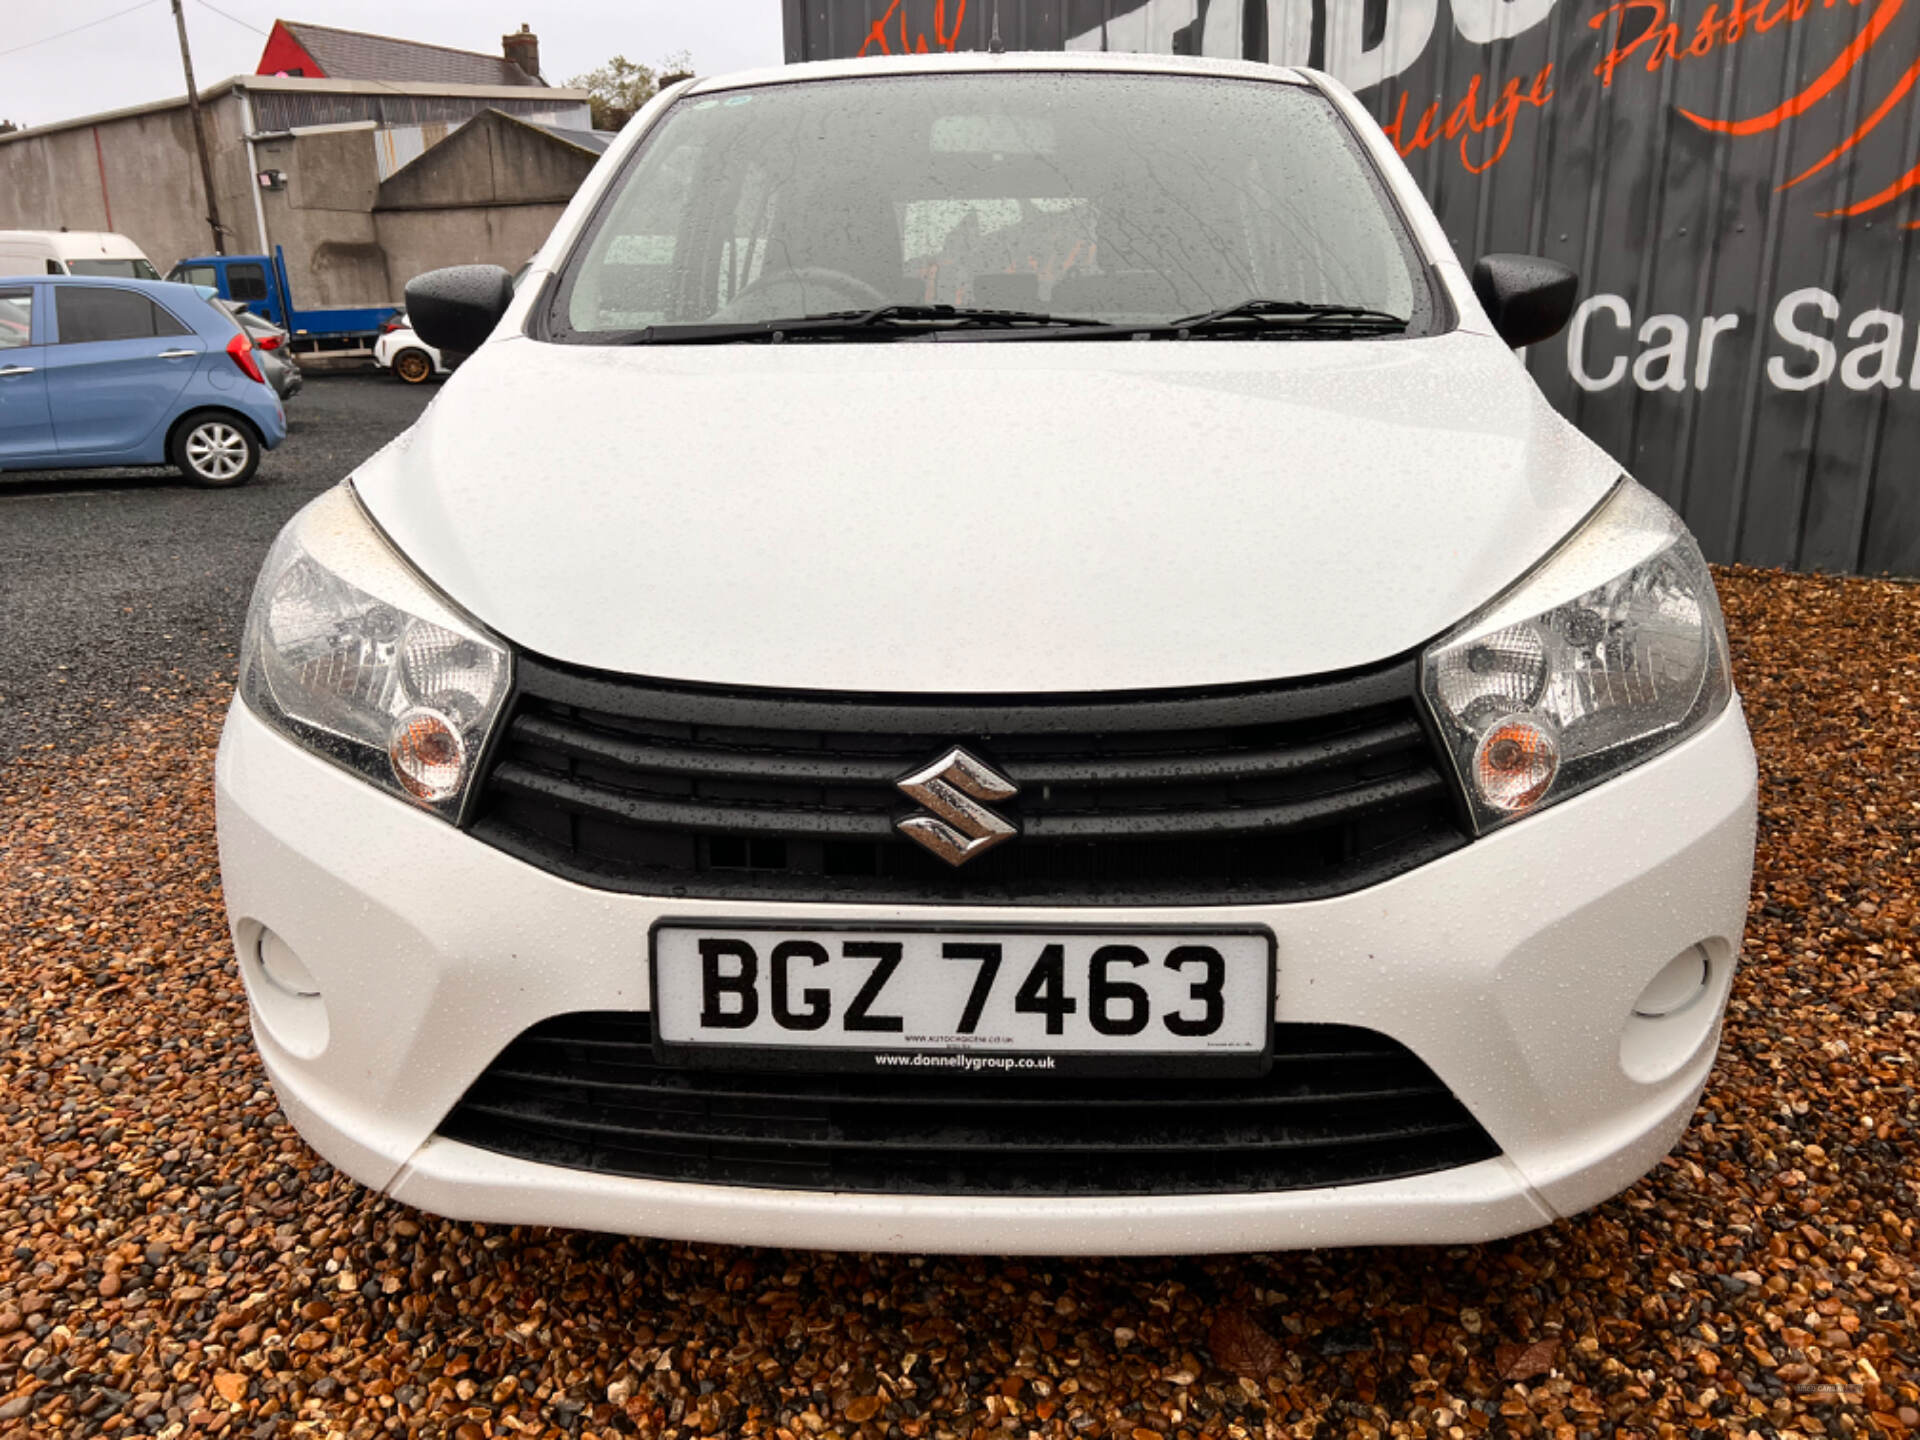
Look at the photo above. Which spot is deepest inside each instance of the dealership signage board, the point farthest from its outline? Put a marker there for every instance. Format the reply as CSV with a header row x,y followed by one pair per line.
x,y
1737,182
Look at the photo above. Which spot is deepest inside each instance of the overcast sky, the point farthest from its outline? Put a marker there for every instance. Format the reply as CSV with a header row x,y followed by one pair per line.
x,y
134,57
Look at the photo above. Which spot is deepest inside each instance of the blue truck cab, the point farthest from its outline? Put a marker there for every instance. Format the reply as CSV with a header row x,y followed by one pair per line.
x,y
259,282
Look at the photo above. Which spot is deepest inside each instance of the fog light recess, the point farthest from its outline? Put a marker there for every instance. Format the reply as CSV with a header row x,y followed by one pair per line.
x,y
286,997
1676,1012
284,968
1682,981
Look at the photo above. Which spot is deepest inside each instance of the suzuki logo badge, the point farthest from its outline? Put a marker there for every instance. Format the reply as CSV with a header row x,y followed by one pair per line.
x,y
952,787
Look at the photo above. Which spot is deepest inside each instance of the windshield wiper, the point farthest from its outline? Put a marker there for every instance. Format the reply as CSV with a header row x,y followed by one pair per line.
x,y
1248,317
879,321
1256,314
960,314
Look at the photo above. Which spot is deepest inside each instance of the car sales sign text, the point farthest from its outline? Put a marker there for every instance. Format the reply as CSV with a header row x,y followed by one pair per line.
x,y
1811,342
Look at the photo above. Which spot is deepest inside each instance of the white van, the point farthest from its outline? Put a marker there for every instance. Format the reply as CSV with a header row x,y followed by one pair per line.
x,y
72,252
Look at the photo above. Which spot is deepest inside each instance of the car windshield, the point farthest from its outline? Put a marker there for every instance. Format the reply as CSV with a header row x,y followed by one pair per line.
x,y
1118,198
134,269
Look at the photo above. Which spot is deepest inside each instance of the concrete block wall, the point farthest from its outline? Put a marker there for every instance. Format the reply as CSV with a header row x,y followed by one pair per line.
x,y
490,195
135,174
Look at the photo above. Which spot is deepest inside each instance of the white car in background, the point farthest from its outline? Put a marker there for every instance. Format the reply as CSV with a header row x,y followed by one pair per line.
x,y
992,653
403,352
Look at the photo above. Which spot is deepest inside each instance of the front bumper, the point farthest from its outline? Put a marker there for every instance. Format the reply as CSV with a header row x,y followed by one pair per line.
x,y
1510,967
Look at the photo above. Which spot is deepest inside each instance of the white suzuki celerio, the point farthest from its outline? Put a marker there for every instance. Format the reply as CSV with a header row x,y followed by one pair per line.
x,y
991,653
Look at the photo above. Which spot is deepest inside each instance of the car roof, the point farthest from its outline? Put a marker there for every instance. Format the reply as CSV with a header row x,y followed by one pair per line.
x,y
980,62
170,289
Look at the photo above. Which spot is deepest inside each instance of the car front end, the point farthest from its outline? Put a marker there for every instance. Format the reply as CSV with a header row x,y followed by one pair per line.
x,y
988,791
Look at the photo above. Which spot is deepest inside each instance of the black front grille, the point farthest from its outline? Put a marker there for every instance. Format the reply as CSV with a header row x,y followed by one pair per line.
x,y
1275,792
1341,1106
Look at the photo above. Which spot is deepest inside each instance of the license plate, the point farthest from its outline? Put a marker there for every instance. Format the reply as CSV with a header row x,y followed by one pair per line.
x,y
964,1000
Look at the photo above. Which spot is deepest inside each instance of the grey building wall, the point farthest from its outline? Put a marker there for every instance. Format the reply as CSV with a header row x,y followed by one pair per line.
x,y
492,159
415,241
349,241
323,218
1737,184
136,174
488,194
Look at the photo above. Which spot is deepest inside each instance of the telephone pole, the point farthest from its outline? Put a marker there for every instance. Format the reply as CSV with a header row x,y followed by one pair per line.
x,y
199,133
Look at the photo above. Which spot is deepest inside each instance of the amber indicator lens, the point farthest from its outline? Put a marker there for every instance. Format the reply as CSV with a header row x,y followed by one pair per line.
x,y
1514,764
428,755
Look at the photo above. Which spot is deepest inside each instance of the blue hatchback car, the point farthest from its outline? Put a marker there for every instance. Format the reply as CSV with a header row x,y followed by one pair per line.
x,y
106,371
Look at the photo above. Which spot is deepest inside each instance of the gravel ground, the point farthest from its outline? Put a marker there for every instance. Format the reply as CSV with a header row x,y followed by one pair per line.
x,y
173,1260
115,583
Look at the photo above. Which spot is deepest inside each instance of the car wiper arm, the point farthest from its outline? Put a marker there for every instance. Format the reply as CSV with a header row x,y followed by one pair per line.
x,y
882,319
1246,316
1296,312
962,314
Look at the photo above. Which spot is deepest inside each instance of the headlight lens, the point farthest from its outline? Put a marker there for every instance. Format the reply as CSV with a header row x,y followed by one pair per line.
x,y
350,653
1610,652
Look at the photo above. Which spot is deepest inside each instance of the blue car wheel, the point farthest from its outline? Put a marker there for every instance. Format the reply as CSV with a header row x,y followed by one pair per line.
x,y
215,449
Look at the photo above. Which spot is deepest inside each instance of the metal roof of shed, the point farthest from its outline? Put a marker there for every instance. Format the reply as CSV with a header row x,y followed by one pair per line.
x,y
595,140
413,95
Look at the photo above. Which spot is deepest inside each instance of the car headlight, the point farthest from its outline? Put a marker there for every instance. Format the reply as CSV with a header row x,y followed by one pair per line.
x,y
1610,652
351,654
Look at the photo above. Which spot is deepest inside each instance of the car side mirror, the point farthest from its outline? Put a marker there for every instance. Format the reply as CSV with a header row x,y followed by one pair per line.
x,y
456,308
1528,298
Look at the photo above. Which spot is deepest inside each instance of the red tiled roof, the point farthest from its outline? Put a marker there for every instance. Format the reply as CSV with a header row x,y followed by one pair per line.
x,y
355,55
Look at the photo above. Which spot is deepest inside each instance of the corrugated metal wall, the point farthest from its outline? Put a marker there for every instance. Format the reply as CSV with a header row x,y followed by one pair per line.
x,y
399,145
406,126
1737,182
276,110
